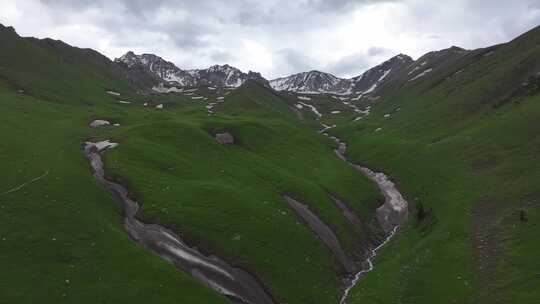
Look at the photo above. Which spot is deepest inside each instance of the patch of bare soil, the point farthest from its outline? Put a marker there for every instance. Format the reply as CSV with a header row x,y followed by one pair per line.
x,y
486,249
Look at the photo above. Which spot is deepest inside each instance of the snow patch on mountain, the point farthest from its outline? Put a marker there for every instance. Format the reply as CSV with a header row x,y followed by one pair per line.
x,y
313,82
168,73
324,83
312,108
421,74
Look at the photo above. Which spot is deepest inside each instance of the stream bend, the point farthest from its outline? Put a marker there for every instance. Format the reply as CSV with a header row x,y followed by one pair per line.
x,y
233,282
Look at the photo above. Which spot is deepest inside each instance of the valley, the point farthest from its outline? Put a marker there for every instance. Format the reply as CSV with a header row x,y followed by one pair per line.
x,y
133,179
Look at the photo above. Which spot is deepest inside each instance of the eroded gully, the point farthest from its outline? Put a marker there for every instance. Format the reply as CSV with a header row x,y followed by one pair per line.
x,y
390,215
233,282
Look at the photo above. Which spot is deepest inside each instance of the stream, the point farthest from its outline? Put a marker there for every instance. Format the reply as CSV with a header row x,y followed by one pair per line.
x,y
390,215
233,282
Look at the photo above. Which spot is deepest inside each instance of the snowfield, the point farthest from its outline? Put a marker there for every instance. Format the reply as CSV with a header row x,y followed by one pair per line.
x,y
313,109
421,74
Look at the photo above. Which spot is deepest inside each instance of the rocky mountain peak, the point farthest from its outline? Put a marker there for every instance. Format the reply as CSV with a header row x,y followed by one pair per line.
x,y
169,74
311,82
320,82
374,77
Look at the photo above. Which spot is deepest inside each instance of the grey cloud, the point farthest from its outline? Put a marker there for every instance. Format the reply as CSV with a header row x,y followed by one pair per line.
x,y
221,57
294,60
254,18
189,38
134,6
340,5
297,35
375,51
349,66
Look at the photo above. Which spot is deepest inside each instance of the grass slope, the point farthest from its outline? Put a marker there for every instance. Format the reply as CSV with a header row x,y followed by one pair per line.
x,y
465,146
227,199
55,71
61,238
61,234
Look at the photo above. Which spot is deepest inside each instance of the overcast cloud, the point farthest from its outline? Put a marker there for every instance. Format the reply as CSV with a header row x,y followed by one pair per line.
x,y
276,37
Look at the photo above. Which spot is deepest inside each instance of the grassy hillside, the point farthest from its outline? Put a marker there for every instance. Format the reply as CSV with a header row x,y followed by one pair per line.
x,y
463,144
227,199
62,239
457,130
57,72
223,199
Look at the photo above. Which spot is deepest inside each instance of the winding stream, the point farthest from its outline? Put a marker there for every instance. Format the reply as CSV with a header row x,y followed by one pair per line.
x,y
235,283
369,260
390,215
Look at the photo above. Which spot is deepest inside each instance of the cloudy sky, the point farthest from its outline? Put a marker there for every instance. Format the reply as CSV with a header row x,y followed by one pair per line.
x,y
273,37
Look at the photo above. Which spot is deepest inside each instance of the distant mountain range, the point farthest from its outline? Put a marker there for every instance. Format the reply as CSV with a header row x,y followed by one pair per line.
x,y
320,82
166,75
151,72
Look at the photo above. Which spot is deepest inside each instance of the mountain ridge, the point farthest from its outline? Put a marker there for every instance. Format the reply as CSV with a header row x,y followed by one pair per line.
x,y
317,82
167,73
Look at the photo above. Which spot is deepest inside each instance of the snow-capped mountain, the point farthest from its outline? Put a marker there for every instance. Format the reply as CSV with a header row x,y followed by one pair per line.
x,y
224,76
315,82
435,60
156,67
312,82
168,73
374,77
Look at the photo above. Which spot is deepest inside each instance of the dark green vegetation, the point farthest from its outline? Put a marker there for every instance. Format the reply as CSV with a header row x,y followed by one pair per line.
x,y
62,239
227,199
462,142
465,146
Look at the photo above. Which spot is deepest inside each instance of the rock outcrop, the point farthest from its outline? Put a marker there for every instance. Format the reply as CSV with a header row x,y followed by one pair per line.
x,y
225,138
99,123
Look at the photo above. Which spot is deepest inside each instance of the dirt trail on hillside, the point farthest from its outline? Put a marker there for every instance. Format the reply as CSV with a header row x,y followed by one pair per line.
x,y
486,248
19,187
235,283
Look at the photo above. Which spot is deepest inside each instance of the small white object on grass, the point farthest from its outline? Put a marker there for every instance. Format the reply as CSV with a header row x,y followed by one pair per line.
x,y
113,93
99,123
